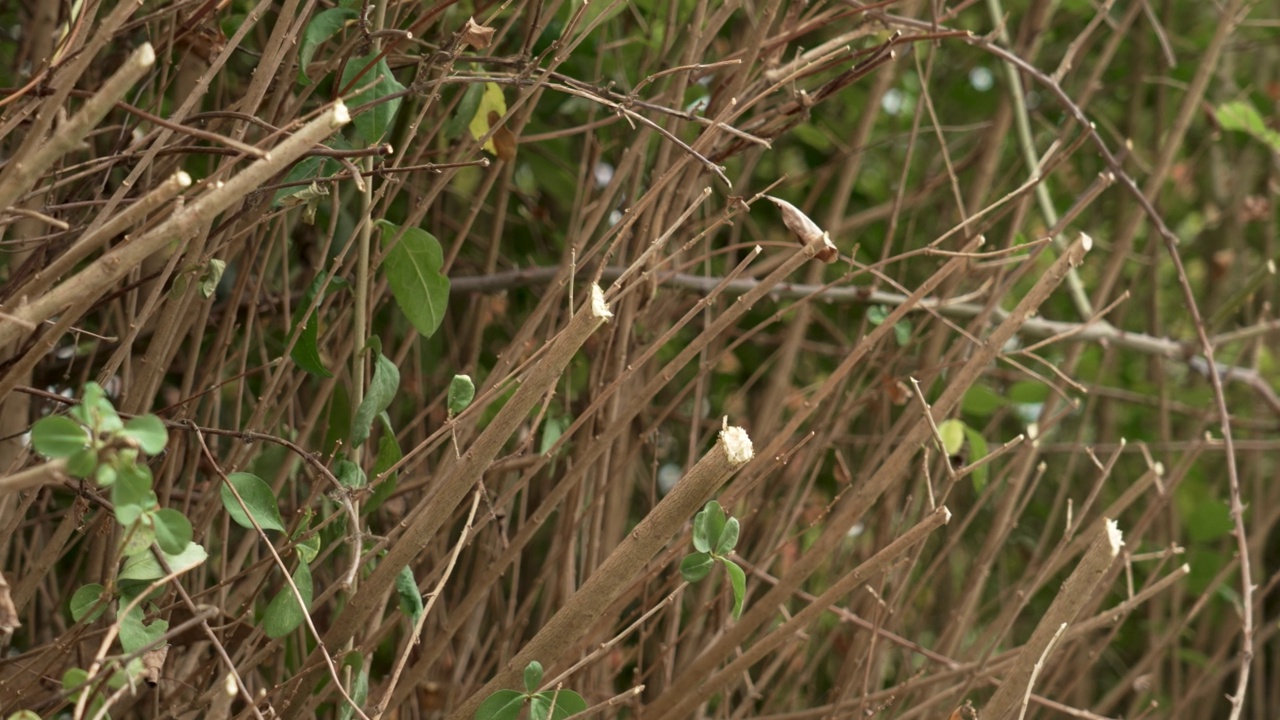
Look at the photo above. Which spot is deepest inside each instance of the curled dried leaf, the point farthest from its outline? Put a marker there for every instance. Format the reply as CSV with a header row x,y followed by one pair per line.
x,y
153,663
476,35
806,230
504,141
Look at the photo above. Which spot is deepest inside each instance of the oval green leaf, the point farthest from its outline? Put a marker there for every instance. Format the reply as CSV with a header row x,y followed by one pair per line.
x,y
461,392
323,26
144,568
952,434
413,268
410,596
532,676
502,705
555,705
284,613
372,122
306,350
977,451
694,567
257,496
728,538
389,454
82,463
149,432
85,603
58,436
359,686
136,634
382,390
173,530
738,583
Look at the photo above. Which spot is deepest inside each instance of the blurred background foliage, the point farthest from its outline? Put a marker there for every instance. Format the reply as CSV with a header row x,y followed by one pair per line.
x,y
905,130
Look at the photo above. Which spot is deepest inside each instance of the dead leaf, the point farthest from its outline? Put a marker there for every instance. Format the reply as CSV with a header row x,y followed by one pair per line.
x,y
153,663
807,230
476,35
504,142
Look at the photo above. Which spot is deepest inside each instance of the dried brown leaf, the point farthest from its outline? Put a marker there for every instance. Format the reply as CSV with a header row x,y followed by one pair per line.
x,y
806,230
476,35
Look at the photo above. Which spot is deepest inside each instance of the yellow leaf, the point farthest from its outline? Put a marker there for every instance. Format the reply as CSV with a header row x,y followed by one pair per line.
x,y
952,432
491,101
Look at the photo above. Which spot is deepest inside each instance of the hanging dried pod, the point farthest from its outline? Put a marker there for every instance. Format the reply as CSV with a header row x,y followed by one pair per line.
x,y
806,230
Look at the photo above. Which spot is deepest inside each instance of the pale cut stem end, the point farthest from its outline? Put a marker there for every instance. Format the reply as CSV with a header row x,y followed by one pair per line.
x,y
599,308
1115,537
145,55
341,115
737,445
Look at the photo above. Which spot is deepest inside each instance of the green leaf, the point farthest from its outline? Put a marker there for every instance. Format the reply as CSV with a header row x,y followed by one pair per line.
x,y
532,676
977,451
696,566
952,433
492,100
105,475
737,581
58,436
136,634
338,416
211,276
407,591
1243,117
284,613
307,168
467,107
413,267
24,715
309,548
82,463
131,493
87,603
701,540
729,538
556,705
258,497
74,679
552,429
359,690
708,525
461,392
382,390
981,401
127,675
144,567
350,474
372,123
323,26
139,536
388,455
96,411
876,314
306,349
902,332
149,432
1028,391
173,530
502,705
